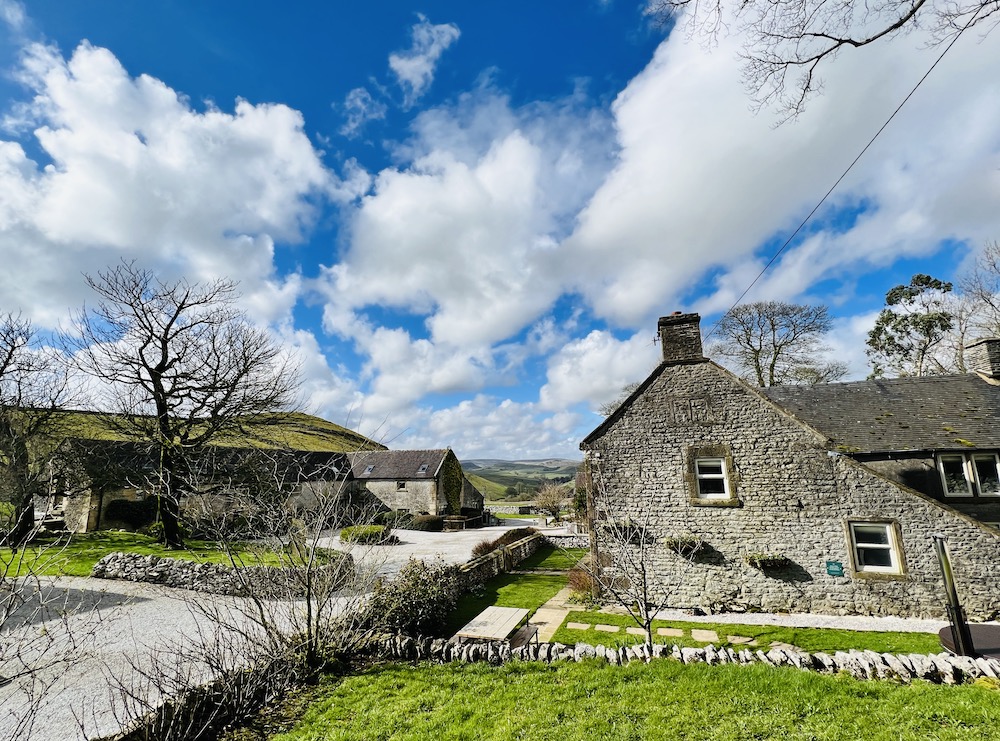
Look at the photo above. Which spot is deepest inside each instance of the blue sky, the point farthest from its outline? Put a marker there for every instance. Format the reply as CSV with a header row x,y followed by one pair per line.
x,y
465,218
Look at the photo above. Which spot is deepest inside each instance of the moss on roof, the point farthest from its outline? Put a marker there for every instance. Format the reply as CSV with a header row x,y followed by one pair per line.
x,y
280,430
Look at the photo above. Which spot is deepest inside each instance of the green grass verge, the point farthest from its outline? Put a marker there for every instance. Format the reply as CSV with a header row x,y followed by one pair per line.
x,y
663,700
529,591
547,558
808,639
508,516
77,555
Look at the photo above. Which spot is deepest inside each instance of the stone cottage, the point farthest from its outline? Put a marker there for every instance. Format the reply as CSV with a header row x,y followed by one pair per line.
x,y
808,499
417,481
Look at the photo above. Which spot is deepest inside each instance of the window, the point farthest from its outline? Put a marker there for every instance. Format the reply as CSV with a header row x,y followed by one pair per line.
x,y
369,469
422,469
400,486
969,474
710,475
875,547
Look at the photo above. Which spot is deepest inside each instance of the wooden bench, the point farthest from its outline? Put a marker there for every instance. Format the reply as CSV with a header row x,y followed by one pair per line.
x,y
523,635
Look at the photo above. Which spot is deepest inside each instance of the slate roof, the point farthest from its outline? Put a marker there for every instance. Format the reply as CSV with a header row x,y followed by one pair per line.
x,y
959,412
397,464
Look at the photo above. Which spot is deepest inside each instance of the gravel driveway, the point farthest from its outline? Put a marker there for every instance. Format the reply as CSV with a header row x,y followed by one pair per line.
x,y
117,626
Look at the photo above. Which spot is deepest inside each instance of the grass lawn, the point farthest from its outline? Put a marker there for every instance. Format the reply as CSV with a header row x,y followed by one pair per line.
x,y
529,591
808,639
510,516
547,558
77,555
592,700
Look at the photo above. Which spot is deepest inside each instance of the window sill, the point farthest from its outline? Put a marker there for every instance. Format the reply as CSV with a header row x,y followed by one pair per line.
x,y
699,502
878,576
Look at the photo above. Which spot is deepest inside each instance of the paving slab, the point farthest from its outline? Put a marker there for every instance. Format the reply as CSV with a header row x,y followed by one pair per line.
x,y
705,636
670,632
635,631
578,626
741,641
607,628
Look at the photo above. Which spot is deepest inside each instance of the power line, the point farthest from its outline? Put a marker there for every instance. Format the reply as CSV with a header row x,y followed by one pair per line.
x,y
833,187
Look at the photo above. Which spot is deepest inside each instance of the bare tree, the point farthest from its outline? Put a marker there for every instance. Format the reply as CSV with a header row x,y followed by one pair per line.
x,y
33,388
608,408
788,40
182,367
630,553
981,285
773,343
550,499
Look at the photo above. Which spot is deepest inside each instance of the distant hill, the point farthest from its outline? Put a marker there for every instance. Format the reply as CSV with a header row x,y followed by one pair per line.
x,y
524,475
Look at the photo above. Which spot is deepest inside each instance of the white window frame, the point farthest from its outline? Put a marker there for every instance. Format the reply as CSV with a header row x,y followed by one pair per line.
x,y
973,485
892,546
724,477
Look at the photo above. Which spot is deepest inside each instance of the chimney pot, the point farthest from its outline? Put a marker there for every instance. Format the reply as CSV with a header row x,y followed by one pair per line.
x,y
680,338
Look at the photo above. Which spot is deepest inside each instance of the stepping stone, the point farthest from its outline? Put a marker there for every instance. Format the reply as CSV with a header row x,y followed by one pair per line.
x,y
578,626
784,646
607,628
741,640
635,631
704,636
671,632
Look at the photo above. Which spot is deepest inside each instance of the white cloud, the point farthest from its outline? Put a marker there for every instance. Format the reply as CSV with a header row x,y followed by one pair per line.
x,y
486,427
702,183
414,68
135,172
594,369
360,108
12,13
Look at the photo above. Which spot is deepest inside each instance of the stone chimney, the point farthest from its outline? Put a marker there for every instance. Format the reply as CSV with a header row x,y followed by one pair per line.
x,y
680,338
983,357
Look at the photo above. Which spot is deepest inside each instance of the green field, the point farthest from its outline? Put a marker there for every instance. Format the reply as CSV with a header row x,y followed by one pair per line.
x,y
526,476
648,702
77,555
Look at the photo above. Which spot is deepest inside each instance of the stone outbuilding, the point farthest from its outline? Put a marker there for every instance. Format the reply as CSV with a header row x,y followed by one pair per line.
x,y
417,481
808,499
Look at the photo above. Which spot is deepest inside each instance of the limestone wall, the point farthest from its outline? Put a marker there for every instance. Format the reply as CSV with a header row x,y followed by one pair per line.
x,y
791,497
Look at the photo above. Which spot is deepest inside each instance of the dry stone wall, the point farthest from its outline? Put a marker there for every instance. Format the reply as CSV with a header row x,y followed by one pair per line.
x,y
791,497
215,578
937,668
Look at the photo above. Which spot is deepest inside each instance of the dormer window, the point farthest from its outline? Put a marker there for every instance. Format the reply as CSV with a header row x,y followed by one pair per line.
x,y
969,474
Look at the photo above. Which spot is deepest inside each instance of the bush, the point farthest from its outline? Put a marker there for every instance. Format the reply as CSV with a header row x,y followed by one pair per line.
x,y
580,581
394,518
368,534
417,601
511,536
428,523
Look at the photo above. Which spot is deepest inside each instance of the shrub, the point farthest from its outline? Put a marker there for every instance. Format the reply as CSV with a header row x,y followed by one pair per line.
x,y
368,534
511,536
580,581
394,518
417,601
484,547
429,523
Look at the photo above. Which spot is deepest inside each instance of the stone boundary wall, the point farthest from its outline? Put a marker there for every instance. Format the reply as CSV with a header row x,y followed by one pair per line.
x,y
512,509
937,668
580,540
213,578
505,558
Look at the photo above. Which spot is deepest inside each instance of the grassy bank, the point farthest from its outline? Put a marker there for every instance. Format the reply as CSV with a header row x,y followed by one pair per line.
x,y
661,700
